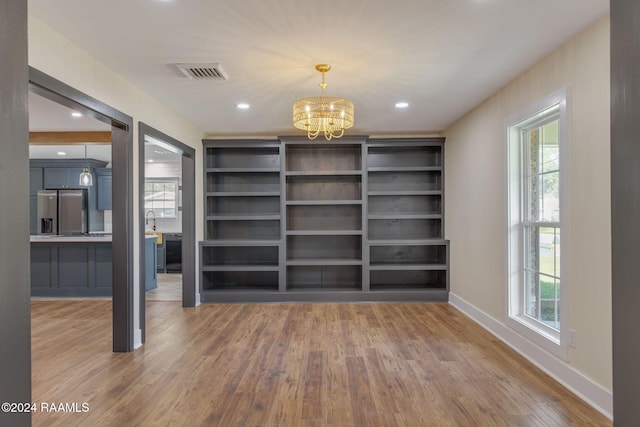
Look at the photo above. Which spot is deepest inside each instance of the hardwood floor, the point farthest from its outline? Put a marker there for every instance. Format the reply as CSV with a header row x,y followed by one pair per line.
x,y
290,365
169,288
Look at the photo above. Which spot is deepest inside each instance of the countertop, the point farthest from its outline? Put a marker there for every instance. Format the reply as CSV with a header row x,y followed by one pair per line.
x,y
75,239
69,239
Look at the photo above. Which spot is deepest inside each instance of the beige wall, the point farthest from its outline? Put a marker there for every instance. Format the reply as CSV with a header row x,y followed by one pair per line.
x,y
476,200
58,57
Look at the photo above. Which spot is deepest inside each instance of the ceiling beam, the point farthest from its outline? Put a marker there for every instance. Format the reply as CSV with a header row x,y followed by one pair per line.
x,y
57,138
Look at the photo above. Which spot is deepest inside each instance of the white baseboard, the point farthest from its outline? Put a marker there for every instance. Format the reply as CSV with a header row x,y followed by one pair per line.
x,y
137,338
591,392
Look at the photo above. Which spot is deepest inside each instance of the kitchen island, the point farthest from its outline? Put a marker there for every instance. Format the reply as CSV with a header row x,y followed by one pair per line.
x,y
73,266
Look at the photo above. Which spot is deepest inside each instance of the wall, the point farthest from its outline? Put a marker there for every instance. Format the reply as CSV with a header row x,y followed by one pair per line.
x,y
476,207
58,57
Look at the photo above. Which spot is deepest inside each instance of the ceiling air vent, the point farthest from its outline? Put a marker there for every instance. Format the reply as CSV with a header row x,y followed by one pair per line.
x,y
202,71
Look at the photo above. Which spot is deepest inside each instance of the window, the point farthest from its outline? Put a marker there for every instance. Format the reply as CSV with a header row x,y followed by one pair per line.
x,y
536,142
161,197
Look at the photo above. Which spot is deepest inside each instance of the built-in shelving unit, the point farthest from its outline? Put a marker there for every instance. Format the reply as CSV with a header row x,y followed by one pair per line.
x,y
242,216
405,215
323,183
347,219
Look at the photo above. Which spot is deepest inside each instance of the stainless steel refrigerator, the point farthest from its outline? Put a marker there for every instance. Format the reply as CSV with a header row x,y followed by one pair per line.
x,y
63,212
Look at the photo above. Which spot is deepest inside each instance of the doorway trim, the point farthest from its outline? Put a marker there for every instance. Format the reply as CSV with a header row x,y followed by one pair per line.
x,y
188,216
122,213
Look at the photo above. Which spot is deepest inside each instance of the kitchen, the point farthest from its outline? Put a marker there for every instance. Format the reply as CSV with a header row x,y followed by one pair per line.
x,y
71,242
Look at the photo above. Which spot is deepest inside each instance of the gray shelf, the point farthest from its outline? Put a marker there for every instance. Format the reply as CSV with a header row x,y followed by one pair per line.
x,y
324,232
243,170
324,261
242,217
322,202
325,173
405,216
244,194
405,169
404,193
240,268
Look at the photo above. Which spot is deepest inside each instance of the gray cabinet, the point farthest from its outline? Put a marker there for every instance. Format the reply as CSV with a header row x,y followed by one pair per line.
x,y
150,266
160,257
62,177
104,186
350,219
35,184
78,269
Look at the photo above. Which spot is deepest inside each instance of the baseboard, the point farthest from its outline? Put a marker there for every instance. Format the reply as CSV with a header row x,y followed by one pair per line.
x,y
591,392
137,338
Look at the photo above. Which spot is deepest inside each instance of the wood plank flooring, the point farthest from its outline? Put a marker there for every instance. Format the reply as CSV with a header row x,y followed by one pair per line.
x,y
413,364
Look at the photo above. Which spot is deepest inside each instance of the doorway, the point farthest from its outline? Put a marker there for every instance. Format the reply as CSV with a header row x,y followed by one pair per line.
x,y
122,196
167,212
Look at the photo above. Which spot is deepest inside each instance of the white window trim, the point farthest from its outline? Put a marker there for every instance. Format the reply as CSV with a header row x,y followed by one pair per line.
x,y
546,337
177,194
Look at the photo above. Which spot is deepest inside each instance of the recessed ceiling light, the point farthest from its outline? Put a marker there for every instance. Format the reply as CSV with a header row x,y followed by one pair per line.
x,y
402,104
76,114
150,161
242,106
61,153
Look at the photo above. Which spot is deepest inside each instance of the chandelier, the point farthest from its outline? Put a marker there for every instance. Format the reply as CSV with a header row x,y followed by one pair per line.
x,y
326,115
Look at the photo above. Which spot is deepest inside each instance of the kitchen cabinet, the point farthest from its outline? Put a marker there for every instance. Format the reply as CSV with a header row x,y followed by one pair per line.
x,y
35,185
80,266
150,273
104,179
71,267
160,251
65,177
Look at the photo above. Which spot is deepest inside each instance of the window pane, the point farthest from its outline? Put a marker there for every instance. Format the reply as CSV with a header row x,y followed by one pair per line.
x,y
545,250
550,149
168,213
531,294
550,197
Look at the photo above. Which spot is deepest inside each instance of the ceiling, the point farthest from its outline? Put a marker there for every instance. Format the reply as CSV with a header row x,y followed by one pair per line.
x,y
48,116
443,57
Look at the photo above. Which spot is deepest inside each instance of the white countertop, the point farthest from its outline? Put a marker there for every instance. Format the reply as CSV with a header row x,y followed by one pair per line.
x,y
69,239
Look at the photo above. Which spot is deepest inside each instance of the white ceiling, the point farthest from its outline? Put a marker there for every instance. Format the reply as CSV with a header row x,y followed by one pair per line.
x,y
444,57
48,116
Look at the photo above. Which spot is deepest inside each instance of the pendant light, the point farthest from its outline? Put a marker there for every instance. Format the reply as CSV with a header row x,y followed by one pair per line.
x,y
86,179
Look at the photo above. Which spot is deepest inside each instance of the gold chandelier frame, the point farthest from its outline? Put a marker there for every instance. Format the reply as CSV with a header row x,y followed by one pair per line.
x,y
326,115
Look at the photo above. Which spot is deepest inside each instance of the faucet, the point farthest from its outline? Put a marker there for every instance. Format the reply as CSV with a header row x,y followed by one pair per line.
x,y
150,211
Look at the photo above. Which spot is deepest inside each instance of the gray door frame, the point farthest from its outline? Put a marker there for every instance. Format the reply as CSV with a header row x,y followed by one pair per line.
x,y
188,217
122,213
15,289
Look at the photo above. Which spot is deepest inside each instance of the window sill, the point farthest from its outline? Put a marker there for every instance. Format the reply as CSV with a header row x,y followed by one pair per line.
x,y
539,335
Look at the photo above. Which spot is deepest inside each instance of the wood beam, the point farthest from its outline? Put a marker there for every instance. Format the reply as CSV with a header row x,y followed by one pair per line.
x,y
57,138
